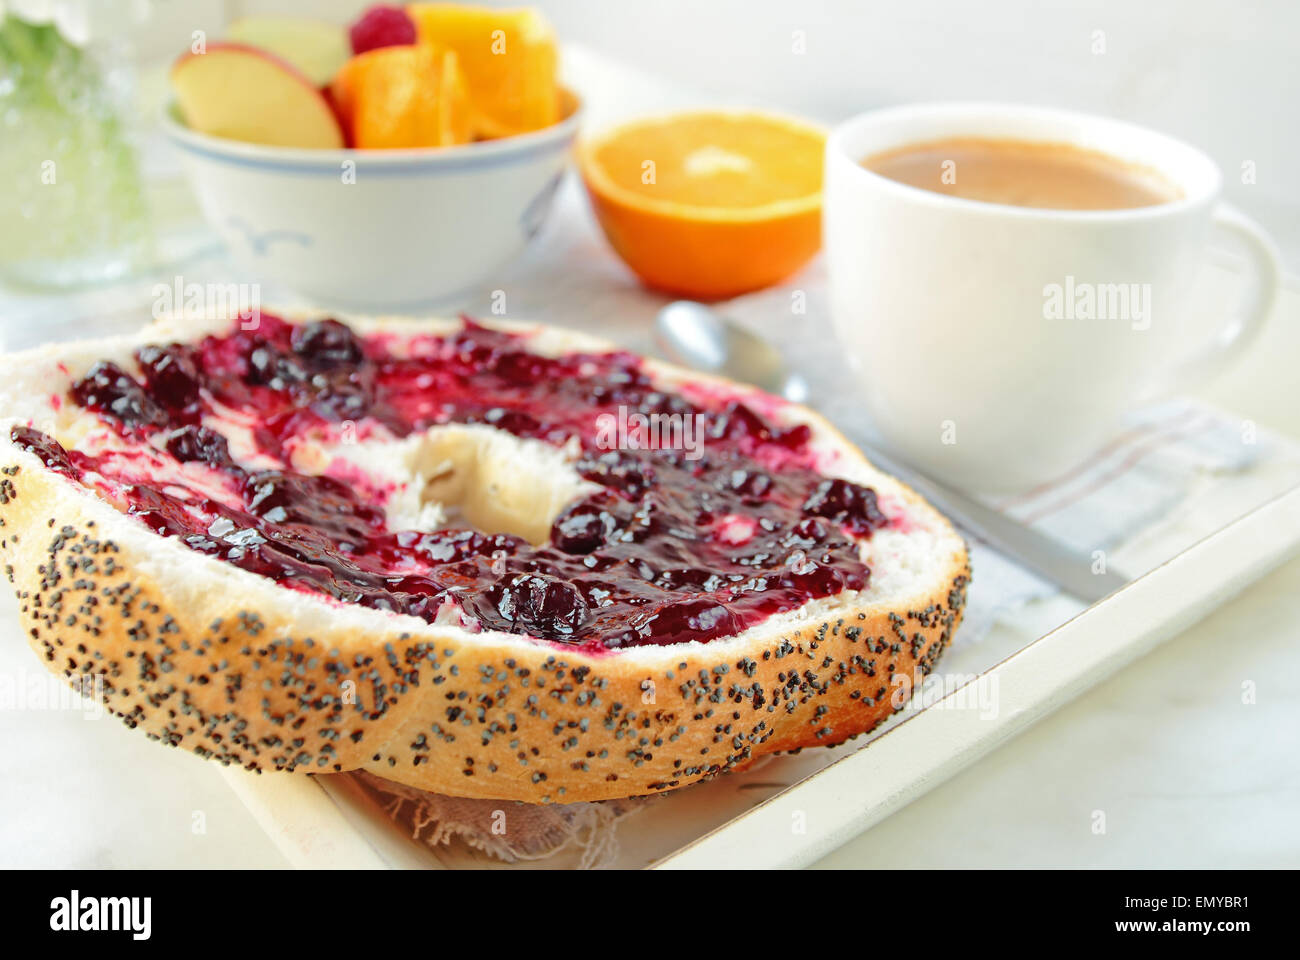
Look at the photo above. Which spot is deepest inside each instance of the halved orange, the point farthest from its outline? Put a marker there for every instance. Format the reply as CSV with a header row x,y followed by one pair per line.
x,y
403,96
509,58
708,204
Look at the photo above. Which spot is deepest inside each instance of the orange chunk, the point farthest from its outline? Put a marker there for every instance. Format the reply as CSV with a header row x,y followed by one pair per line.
x,y
406,96
509,58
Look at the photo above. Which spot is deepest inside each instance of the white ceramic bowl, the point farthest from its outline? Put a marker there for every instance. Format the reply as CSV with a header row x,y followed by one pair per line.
x,y
377,229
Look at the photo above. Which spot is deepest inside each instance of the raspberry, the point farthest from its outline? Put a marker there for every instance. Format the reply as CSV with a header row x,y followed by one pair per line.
x,y
382,26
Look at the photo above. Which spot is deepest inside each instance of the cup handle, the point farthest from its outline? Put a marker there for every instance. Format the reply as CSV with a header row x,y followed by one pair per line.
x,y
1242,329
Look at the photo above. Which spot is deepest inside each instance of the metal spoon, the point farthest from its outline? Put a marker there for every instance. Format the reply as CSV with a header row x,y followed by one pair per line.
x,y
697,336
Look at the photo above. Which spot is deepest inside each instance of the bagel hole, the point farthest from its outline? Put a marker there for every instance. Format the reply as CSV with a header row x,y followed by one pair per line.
x,y
493,481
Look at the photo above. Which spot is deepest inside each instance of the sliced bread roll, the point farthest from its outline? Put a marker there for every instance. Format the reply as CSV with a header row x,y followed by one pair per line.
x,y
235,666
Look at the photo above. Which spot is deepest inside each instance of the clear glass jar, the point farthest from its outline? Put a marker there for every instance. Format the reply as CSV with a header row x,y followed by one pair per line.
x,y
72,204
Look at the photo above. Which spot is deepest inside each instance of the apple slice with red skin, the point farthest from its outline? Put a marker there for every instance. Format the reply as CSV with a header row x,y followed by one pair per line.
x,y
243,93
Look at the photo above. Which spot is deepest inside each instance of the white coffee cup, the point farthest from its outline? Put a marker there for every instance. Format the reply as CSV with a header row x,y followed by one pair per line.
x,y
966,322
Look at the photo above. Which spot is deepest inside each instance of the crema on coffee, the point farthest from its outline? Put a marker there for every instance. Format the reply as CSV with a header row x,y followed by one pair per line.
x,y
1023,173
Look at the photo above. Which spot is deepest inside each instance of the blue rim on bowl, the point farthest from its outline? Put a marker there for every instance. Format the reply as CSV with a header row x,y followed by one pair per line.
x,y
401,162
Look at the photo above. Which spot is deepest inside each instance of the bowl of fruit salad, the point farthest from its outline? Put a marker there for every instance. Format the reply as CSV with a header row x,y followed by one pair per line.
x,y
390,165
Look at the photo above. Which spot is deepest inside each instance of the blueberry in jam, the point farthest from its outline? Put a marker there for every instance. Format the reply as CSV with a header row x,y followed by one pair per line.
x,y
701,620
847,502
44,448
191,444
267,365
326,345
512,421
319,502
169,375
668,549
539,604
582,527
110,391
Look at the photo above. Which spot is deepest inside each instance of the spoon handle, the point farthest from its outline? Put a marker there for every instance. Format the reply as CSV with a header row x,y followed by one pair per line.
x,y
1050,559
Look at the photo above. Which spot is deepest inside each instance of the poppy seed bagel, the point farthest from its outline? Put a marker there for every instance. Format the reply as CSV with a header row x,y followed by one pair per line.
x,y
244,668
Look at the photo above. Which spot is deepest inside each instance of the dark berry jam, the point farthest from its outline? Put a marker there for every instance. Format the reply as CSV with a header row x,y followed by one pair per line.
x,y
674,544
